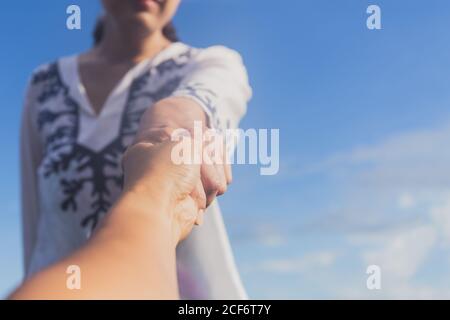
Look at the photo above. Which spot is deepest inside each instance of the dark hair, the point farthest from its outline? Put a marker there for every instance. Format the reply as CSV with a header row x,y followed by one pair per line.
x,y
169,31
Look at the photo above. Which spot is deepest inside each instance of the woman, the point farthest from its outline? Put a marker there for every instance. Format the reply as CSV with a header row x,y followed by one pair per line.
x,y
81,113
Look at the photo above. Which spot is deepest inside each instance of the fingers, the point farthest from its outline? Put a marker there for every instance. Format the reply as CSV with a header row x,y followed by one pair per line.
x,y
228,173
222,183
227,168
199,196
153,135
213,180
210,181
186,215
215,172
200,218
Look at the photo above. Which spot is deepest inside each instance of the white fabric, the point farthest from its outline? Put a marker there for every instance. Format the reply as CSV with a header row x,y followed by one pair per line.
x,y
71,157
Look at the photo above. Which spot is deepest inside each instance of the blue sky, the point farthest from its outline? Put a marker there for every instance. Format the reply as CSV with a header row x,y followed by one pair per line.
x,y
364,125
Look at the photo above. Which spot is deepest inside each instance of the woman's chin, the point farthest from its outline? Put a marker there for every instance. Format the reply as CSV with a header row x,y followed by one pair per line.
x,y
144,21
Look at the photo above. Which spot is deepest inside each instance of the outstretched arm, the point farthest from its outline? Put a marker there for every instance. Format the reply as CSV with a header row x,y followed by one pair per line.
x,y
215,93
132,256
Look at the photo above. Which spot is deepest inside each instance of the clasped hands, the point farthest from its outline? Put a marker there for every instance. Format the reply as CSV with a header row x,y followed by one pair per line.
x,y
186,190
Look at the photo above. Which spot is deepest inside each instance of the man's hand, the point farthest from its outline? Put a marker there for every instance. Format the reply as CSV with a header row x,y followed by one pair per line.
x,y
136,240
150,172
167,115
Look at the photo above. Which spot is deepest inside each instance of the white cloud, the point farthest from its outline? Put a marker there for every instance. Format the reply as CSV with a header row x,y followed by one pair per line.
x,y
298,265
406,201
248,231
401,184
268,235
441,219
272,240
391,208
401,254
412,159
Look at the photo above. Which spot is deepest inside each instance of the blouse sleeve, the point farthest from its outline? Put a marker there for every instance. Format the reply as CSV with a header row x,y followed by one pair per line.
x,y
218,81
30,155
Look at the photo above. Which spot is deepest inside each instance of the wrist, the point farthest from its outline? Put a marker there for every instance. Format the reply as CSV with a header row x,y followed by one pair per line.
x,y
144,207
156,193
181,112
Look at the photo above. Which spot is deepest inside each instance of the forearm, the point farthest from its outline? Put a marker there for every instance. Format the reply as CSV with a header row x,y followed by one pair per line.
x,y
172,113
131,257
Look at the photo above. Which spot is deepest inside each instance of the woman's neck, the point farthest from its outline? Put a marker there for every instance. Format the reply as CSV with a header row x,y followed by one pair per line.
x,y
124,44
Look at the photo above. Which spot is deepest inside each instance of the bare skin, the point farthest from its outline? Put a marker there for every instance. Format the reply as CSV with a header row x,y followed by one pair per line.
x,y
132,255
104,66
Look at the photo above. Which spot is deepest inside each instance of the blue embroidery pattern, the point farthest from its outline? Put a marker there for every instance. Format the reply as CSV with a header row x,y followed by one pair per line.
x,y
78,168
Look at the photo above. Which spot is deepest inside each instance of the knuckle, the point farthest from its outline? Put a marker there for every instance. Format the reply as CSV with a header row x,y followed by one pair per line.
x,y
215,186
222,189
201,202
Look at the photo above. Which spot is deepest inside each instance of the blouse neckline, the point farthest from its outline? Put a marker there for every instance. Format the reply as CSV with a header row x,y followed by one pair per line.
x,y
115,102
